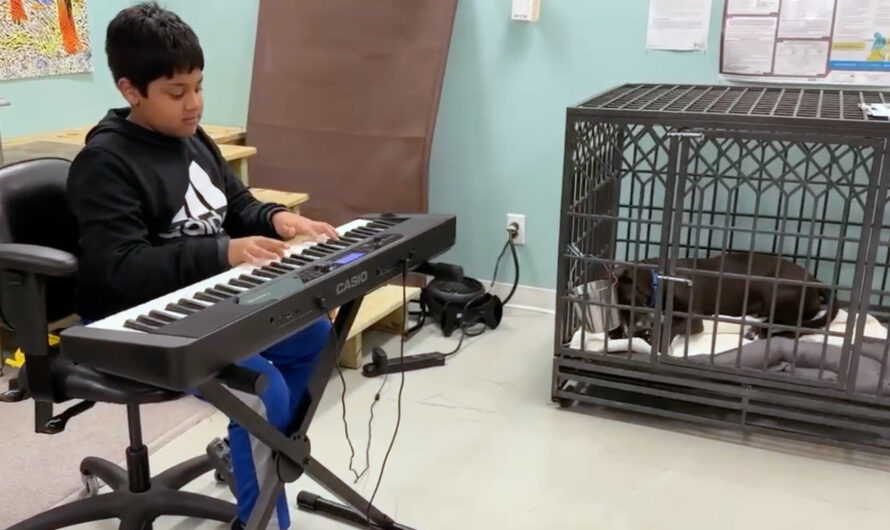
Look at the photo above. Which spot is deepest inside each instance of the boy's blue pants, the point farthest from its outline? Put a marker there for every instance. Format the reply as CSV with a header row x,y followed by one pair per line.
x,y
289,366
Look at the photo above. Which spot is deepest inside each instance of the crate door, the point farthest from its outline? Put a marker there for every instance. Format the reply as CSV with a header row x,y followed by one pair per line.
x,y
872,353
618,179
771,194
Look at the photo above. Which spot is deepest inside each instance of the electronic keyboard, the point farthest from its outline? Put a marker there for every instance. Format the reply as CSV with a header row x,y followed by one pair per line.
x,y
184,338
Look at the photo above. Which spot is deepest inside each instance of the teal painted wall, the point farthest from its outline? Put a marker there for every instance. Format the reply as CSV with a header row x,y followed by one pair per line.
x,y
499,137
60,102
500,130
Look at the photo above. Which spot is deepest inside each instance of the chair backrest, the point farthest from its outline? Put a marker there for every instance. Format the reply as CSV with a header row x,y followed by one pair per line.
x,y
34,210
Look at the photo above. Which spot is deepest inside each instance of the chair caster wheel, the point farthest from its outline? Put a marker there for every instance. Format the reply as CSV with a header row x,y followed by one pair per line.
x,y
90,484
565,403
221,458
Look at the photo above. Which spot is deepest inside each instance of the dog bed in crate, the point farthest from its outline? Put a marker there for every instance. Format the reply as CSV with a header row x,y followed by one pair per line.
x,y
778,354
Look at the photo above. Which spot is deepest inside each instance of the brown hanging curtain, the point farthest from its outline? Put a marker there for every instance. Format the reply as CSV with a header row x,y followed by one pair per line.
x,y
344,99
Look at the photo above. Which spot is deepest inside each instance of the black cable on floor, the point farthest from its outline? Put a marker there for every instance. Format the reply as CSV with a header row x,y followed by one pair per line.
x,y
401,388
466,324
343,407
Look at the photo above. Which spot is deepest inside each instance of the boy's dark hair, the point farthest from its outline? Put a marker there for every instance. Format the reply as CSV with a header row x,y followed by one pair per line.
x,y
145,42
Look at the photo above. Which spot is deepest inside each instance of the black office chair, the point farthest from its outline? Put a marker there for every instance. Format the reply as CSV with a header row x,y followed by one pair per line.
x,y
38,242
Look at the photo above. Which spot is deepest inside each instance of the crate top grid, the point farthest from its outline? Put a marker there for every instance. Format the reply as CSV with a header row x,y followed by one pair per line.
x,y
758,106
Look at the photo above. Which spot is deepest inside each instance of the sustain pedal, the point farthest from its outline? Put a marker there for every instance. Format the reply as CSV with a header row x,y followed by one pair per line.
x,y
380,364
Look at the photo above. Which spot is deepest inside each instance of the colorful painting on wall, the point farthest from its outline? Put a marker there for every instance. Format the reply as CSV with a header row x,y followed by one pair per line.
x,y
43,37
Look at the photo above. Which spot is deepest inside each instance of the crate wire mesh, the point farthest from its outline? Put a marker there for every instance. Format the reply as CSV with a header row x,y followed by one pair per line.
x,y
660,178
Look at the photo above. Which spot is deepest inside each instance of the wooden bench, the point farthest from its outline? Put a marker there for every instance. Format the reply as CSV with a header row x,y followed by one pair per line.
x,y
222,134
381,309
236,156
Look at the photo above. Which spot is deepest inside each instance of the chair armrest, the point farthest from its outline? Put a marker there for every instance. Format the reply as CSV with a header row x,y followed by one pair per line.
x,y
45,261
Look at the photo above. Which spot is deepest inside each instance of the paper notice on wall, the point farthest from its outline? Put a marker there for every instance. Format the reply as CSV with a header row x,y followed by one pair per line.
x,y
815,41
682,25
752,7
749,44
801,58
806,19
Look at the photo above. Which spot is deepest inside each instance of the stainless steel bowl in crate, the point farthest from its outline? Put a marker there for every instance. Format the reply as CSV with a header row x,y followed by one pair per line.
x,y
597,312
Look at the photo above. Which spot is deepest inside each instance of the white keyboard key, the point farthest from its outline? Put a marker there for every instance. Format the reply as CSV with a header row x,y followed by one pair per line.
x,y
117,320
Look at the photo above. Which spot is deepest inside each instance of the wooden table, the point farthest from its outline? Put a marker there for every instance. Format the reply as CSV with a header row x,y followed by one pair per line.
x,y
53,143
76,135
291,199
26,151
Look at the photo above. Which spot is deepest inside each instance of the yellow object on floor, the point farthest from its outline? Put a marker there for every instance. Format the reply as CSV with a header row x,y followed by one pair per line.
x,y
18,358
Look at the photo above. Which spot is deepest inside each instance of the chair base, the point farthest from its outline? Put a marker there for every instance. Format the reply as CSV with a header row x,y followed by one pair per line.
x,y
135,510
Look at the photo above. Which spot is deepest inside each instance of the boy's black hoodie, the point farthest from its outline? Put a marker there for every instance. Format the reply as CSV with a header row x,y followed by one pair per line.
x,y
154,214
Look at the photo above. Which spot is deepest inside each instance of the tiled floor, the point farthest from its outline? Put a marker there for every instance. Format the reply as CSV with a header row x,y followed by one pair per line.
x,y
482,447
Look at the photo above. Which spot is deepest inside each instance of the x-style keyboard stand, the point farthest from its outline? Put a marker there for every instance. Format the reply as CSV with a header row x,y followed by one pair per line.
x,y
293,451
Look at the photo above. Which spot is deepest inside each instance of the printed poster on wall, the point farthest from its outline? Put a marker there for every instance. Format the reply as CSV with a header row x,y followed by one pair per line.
x,y
43,38
807,41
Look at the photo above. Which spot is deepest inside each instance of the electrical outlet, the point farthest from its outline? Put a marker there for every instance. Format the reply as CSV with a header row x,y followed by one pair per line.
x,y
520,222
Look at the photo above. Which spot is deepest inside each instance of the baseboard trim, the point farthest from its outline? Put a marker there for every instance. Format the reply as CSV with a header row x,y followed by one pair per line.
x,y
526,297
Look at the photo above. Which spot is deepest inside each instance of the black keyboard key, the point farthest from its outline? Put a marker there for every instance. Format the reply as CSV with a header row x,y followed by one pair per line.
x,y
219,293
314,253
226,289
176,308
328,247
204,297
260,273
295,261
378,226
278,268
251,279
138,326
142,319
157,315
185,302
241,283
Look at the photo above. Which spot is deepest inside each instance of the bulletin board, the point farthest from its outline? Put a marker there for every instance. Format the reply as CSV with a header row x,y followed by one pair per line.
x,y
807,41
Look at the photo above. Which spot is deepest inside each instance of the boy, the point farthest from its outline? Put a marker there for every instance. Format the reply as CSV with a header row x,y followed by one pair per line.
x,y
158,209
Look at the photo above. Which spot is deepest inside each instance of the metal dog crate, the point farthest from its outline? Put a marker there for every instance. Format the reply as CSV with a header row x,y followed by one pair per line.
x,y
654,174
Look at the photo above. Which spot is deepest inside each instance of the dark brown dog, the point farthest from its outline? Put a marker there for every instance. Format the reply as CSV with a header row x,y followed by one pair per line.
x,y
701,298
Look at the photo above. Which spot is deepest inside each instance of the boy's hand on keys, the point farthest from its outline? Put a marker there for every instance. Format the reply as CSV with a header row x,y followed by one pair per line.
x,y
255,249
289,225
